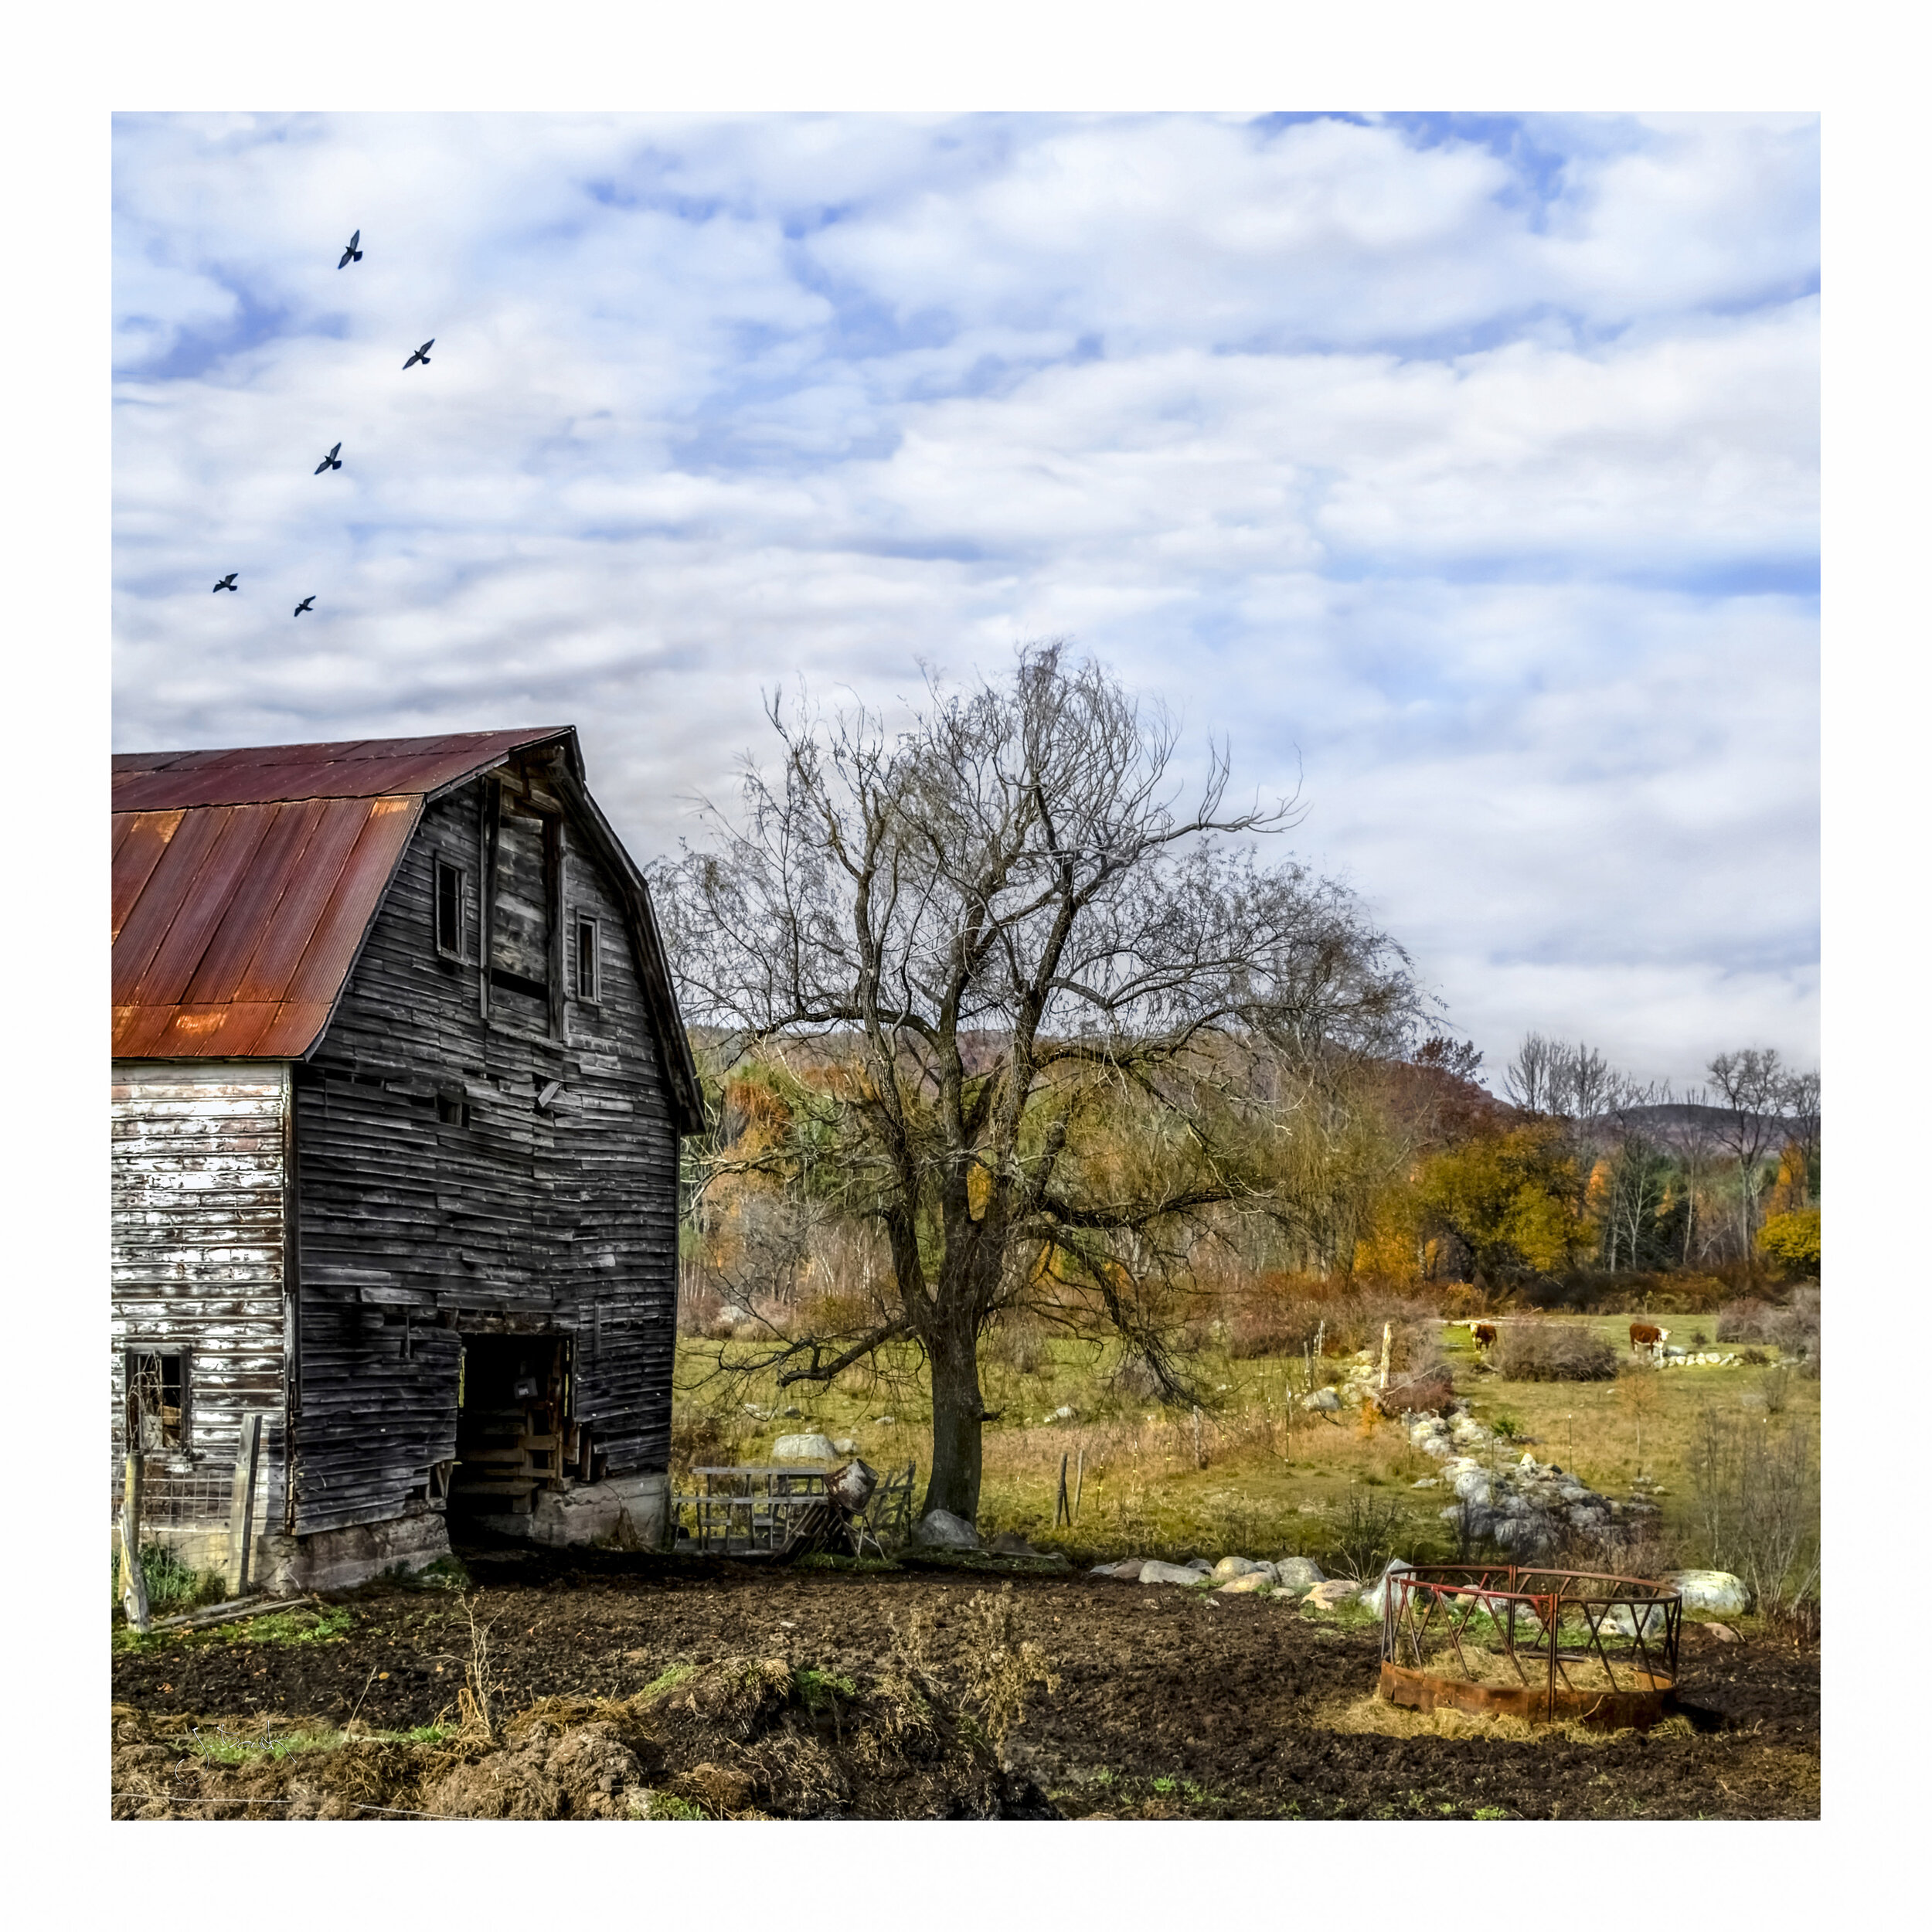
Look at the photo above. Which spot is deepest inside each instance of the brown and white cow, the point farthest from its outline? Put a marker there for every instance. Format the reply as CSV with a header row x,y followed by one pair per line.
x,y
1644,1335
1484,1333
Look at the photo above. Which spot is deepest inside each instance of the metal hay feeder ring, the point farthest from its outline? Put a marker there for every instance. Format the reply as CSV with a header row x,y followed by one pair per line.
x,y
1546,1645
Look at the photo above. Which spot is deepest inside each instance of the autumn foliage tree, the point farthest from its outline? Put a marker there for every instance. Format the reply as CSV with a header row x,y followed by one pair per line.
x,y
1510,1198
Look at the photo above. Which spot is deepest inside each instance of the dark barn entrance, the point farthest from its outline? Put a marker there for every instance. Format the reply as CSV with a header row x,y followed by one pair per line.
x,y
512,1434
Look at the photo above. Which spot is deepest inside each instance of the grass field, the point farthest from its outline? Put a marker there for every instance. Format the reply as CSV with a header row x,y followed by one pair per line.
x,y
1248,1480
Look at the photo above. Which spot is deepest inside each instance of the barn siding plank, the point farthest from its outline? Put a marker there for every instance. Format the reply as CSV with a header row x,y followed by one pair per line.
x,y
197,1207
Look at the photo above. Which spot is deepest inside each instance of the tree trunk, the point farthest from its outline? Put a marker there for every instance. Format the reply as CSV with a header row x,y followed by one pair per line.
x,y
957,1415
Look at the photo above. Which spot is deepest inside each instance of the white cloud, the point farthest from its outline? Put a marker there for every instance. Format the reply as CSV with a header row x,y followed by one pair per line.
x,y
1476,480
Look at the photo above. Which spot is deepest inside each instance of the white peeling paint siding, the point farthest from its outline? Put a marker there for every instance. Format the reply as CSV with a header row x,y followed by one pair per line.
x,y
200,1182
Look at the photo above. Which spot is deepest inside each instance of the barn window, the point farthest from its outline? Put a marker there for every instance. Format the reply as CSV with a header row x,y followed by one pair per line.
x,y
452,1110
158,1400
449,909
586,978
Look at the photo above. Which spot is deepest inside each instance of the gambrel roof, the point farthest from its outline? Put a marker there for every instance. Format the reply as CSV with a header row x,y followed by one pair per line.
x,y
246,880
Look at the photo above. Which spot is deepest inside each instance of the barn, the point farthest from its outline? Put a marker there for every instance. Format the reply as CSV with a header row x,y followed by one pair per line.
x,y
399,1079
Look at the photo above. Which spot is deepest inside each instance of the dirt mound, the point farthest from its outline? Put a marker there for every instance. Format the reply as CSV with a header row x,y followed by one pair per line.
x,y
736,1738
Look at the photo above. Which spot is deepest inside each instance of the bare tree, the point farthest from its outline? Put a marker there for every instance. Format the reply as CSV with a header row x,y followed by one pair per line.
x,y
1529,1078
1690,1139
1804,1130
1756,1085
1035,993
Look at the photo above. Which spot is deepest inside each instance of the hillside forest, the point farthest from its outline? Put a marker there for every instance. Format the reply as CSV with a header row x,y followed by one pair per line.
x,y
1403,1179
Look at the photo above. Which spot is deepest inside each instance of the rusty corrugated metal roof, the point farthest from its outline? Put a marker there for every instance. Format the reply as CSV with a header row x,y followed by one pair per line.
x,y
244,880
355,768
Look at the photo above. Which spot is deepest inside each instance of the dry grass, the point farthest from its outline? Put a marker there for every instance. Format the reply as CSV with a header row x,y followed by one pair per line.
x,y
1375,1716
1272,1481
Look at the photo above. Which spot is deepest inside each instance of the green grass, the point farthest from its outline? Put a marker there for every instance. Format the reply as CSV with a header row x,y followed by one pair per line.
x,y
818,1687
666,1679
303,1625
219,1748
1263,1488
661,1804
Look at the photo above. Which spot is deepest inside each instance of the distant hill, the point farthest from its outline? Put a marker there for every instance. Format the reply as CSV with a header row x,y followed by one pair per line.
x,y
1674,1118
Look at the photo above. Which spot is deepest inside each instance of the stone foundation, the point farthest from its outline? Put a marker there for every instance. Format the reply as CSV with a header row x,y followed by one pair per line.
x,y
341,1558
287,1566
587,1512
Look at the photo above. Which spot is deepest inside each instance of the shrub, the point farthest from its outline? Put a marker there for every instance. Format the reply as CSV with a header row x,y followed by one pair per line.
x,y
1426,1395
1425,1387
698,1308
1744,1320
1791,1242
697,1437
1794,1329
1552,1352
1756,1491
1269,1328
172,1585
1368,1535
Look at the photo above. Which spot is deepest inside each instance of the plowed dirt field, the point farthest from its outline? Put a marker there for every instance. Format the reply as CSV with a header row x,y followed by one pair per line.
x,y
1168,1704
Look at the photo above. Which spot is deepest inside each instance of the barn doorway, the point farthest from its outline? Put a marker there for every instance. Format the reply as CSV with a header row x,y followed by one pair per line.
x,y
513,1400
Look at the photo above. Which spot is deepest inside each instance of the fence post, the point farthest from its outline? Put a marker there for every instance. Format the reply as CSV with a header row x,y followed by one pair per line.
x,y
1080,1476
134,1585
241,1506
1062,1510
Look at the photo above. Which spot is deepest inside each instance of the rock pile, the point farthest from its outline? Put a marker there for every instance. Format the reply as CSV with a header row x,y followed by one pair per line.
x,y
1523,1507
1292,1578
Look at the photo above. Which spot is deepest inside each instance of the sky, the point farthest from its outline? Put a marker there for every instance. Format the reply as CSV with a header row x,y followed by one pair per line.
x,y
1461,471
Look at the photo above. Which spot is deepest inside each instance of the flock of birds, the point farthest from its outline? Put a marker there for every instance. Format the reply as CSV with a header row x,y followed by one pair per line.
x,y
333,460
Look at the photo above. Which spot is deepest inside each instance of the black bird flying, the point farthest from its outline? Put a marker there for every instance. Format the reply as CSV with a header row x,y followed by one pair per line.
x,y
228,582
307,603
353,252
331,461
421,356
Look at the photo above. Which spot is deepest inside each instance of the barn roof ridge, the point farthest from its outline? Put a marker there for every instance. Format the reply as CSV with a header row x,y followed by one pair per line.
x,y
340,768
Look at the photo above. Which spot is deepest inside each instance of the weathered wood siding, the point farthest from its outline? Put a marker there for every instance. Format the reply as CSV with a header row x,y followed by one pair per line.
x,y
199,1173
558,1219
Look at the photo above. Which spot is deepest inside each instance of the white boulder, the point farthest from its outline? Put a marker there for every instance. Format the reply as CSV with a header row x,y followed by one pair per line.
x,y
812,1448
1323,1399
1253,1580
1716,1591
1160,1573
1377,1595
1330,1596
1232,1566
